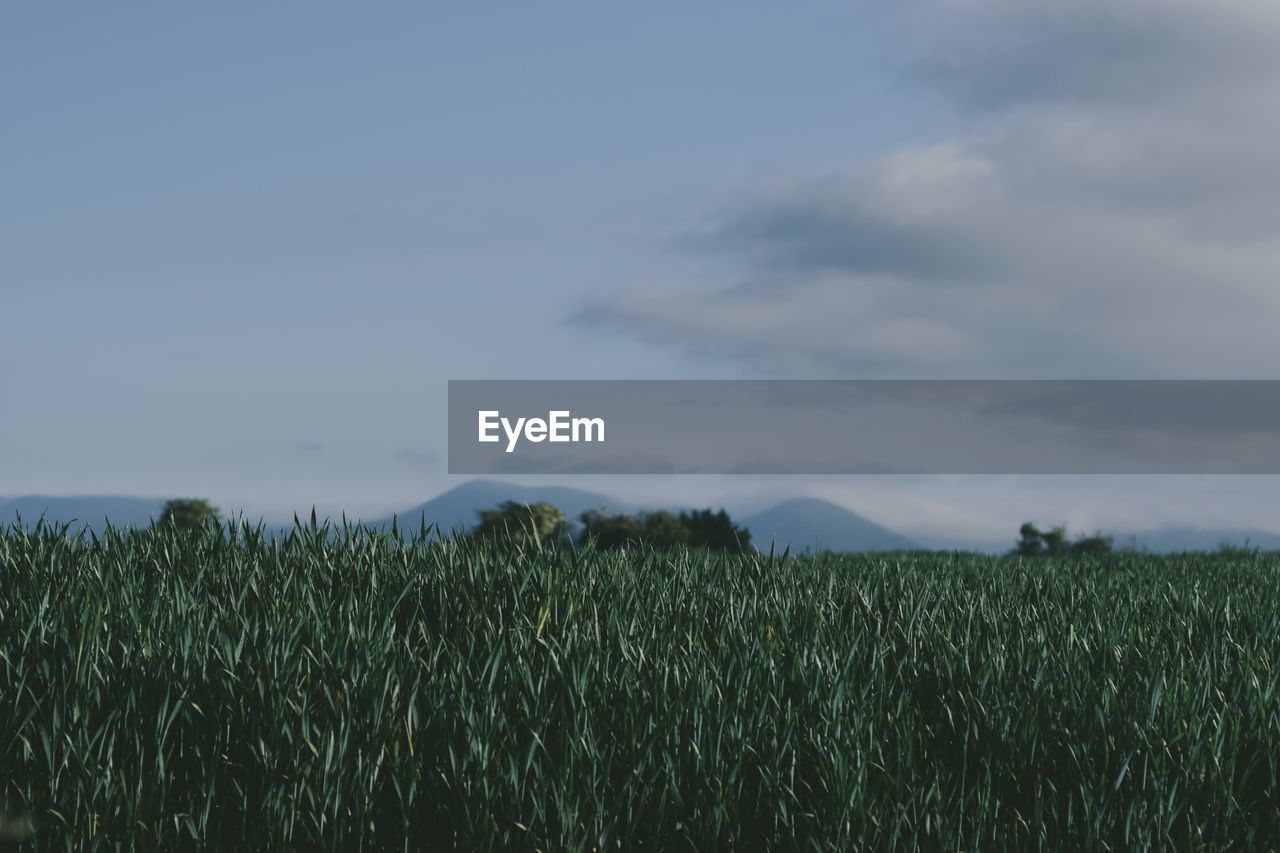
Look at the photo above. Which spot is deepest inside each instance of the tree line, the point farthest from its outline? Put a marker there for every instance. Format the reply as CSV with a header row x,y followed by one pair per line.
x,y
700,528
1034,542
514,521
712,530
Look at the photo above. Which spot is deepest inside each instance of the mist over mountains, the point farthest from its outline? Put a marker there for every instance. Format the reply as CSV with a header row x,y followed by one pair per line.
x,y
93,511
804,524
457,508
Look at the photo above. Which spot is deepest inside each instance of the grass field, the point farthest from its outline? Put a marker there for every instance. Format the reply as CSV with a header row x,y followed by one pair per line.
x,y
351,692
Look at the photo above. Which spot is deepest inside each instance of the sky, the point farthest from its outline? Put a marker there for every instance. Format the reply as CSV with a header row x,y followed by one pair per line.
x,y
244,246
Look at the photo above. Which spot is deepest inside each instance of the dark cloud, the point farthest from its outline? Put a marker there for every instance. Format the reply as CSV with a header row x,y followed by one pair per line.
x,y
1107,206
994,55
837,225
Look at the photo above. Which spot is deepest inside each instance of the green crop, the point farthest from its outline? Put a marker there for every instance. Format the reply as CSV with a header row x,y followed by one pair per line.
x,y
344,689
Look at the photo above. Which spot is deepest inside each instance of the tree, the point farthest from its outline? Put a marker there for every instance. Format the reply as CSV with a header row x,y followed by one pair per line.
x,y
1033,542
188,514
664,530
514,522
1055,541
610,531
1095,544
661,529
715,531
1030,541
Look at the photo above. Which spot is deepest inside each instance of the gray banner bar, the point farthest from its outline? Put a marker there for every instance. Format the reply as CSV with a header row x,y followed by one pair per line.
x,y
864,427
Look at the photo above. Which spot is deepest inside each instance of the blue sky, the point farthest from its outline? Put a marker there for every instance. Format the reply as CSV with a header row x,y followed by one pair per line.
x,y
243,246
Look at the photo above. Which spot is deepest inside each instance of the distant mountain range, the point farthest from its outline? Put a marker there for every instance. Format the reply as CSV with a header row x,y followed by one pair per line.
x,y
811,524
803,524
459,507
1190,539
81,510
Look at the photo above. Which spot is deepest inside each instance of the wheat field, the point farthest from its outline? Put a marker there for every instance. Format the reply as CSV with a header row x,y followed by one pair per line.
x,y
345,689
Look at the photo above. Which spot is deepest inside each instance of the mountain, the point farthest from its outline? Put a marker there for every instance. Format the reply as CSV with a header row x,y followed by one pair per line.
x,y
804,523
811,524
459,507
81,510
1173,539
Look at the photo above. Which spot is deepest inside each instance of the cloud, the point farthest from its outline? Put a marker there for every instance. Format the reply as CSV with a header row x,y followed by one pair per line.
x,y
870,221
1107,205
993,54
309,446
